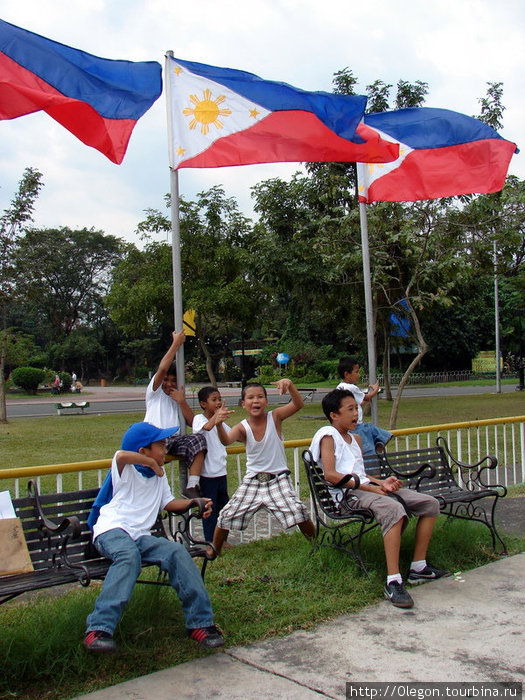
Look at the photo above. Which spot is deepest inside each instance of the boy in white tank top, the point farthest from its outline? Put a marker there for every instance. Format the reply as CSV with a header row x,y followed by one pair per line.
x,y
267,483
338,451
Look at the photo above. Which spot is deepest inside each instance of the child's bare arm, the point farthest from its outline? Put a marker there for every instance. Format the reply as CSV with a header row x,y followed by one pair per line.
x,y
328,460
164,365
179,396
237,433
128,457
181,505
282,412
373,390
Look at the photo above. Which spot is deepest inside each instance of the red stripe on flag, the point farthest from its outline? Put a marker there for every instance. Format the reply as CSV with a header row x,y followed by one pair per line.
x,y
22,92
475,167
288,136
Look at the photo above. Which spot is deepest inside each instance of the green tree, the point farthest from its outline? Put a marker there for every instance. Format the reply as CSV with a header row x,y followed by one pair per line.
x,y
65,273
215,240
12,223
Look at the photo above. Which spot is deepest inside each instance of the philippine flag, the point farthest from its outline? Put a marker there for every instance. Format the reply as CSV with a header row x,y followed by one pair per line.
x,y
441,154
222,117
99,100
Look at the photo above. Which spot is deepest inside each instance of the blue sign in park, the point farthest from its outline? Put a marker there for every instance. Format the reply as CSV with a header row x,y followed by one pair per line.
x,y
283,358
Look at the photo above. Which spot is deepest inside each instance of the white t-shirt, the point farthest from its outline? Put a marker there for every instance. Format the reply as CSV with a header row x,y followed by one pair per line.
x,y
137,500
215,460
359,397
161,409
348,455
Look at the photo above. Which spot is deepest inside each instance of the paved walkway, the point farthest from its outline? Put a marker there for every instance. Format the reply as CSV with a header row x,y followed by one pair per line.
x,y
469,627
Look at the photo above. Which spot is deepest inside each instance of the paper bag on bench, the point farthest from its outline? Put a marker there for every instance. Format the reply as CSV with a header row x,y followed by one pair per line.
x,y
14,555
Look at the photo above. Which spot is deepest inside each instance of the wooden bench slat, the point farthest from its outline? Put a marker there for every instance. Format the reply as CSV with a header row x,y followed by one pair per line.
x,y
58,558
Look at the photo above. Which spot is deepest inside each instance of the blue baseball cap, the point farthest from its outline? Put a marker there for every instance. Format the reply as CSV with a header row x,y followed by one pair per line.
x,y
143,434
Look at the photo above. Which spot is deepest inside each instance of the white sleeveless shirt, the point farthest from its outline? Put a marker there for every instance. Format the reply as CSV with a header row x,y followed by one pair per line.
x,y
266,455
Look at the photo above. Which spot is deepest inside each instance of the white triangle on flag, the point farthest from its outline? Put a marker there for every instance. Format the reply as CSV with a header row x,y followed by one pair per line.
x,y
203,111
367,173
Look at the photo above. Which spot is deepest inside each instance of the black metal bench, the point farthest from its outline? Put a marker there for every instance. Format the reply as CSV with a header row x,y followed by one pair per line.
x,y
461,489
60,547
429,470
339,530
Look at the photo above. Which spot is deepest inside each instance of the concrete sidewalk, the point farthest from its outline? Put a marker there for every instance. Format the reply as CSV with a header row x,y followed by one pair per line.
x,y
469,627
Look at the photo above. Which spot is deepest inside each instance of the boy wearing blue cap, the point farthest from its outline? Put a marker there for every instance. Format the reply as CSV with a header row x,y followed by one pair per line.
x,y
134,493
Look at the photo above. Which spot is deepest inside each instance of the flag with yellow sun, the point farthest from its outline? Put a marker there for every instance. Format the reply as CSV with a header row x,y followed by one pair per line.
x,y
223,117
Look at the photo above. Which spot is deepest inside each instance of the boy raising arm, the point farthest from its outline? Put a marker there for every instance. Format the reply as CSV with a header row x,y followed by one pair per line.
x,y
164,398
267,482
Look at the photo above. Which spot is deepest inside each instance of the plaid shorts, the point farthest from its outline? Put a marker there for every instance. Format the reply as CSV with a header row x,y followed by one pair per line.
x,y
186,447
276,496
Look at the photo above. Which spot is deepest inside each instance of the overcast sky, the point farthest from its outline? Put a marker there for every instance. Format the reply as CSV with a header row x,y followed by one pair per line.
x,y
456,46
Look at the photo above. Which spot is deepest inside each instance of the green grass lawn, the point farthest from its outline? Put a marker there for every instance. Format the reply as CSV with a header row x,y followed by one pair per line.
x,y
254,587
258,590
76,438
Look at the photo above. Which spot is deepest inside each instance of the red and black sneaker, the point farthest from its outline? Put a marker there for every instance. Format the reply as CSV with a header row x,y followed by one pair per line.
x,y
207,637
96,640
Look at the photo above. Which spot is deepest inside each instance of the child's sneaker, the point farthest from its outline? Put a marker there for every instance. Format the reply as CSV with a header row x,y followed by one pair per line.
x,y
207,637
96,640
397,594
429,573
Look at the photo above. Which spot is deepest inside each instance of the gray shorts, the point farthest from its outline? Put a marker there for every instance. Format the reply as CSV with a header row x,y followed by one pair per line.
x,y
276,496
388,510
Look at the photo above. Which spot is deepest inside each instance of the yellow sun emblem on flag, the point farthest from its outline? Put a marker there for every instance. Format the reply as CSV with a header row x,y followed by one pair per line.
x,y
206,111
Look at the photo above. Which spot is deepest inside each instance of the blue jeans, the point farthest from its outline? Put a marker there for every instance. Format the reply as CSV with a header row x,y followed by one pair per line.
x,y
215,488
127,556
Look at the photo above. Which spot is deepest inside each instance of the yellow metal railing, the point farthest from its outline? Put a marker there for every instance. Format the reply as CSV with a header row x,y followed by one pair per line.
x,y
420,434
469,441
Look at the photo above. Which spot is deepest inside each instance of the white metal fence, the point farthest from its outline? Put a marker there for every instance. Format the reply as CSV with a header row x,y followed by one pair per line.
x,y
469,443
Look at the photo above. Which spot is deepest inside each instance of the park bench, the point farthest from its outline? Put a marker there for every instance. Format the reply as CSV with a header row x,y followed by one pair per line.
x,y
461,489
77,406
60,546
331,524
428,470
307,394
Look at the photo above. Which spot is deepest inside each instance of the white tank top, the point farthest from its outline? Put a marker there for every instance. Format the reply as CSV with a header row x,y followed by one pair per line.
x,y
268,454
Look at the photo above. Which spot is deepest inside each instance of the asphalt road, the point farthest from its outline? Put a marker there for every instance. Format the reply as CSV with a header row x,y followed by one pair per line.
x,y
131,399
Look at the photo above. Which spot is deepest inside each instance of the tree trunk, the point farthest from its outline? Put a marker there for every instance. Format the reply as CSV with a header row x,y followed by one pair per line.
x,y
423,349
208,358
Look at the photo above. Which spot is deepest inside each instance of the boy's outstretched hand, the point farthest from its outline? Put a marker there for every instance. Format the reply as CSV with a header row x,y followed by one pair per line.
x,y
283,385
221,414
391,484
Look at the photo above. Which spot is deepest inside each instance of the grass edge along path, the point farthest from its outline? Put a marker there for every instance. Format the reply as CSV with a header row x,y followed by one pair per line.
x,y
258,590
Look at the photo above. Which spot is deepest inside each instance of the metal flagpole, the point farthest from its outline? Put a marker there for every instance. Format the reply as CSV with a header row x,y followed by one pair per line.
x,y
496,319
175,235
369,311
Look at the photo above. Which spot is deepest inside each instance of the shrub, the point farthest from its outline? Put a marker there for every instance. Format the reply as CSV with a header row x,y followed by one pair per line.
x,y
66,380
28,378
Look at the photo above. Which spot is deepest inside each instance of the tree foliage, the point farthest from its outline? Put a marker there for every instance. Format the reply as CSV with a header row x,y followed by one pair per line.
x,y
64,272
12,223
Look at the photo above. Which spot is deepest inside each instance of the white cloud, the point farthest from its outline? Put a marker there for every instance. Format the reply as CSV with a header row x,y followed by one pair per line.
x,y
454,45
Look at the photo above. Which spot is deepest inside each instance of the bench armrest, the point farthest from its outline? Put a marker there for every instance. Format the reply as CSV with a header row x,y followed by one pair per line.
x,y
475,473
424,471
47,525
180,529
